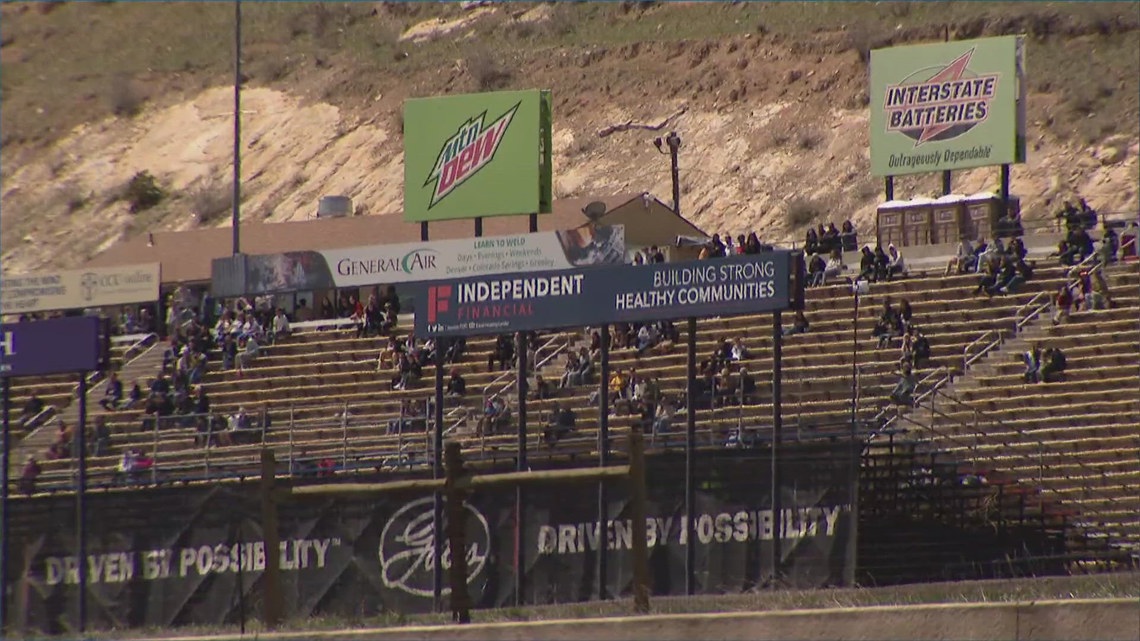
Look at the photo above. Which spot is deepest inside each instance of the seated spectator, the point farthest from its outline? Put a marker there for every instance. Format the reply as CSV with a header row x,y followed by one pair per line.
x,y
903,393
867,264
1032,359
1092,293
541,388
456,385
964,261
1062,305
832,238
63,440
561,423
739,352
503,352
663,417
1017,249
1109,245
915,348
1069,215
456,347
250,350
896,265
882,264
134,398
849,240
29,474
834,265
811,242
799,324
645,338
746,387
1006,275
987,281
906,315
100,438
113,393
281,329
1052,365
32,408
1087,215
815,270
888,326
229,352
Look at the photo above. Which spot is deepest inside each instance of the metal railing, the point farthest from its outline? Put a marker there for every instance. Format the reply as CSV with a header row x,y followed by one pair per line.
x,y
511,376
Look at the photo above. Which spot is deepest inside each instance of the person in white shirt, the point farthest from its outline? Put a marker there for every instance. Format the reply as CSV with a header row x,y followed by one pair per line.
x,y
896,265
280,325
834,265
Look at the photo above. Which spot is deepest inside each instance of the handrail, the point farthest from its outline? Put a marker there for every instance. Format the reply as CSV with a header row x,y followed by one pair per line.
x,y
534,367
1075,282
968,360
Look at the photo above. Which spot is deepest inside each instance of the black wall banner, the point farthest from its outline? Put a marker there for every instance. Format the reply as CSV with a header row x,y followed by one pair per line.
x,y
167,557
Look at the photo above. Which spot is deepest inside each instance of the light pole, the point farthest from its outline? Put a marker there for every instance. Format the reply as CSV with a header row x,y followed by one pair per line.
x,y
673,142
235,221
859,288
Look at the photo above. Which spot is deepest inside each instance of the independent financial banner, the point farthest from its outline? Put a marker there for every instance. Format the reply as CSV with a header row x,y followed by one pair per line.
x,y
747,284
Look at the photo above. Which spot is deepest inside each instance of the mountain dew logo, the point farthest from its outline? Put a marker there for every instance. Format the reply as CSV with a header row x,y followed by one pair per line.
x,y
471,149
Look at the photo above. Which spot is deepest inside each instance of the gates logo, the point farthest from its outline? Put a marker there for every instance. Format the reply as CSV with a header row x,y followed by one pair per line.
x,y
407,545
471,149
940,103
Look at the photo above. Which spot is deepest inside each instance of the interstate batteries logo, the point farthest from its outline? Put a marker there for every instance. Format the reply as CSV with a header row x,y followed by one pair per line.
x,y
471,149
940,103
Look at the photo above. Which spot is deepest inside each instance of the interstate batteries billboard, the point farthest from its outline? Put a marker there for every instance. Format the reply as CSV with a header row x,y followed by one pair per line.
x,y
411,262
477,155
746,284
947,106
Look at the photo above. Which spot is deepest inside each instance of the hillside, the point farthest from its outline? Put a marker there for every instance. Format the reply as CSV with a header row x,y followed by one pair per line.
x,y
768,98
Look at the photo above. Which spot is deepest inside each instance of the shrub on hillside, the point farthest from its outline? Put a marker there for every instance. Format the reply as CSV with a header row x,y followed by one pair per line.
x,y
143,192
803,211
487,71
211,200
124,99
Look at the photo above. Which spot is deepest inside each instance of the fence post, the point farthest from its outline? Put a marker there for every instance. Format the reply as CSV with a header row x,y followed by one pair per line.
x,y
639,543
274,607
209,441
455,494
344,437
154,455
292,456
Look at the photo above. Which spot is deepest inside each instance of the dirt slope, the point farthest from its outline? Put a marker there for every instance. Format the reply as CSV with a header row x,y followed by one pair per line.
x,y
769,99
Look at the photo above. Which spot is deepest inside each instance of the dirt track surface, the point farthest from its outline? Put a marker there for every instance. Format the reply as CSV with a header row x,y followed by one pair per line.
x,y
1107,619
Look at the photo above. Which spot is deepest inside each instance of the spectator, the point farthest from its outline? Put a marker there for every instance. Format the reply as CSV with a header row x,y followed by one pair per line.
x,y
249,352
888,326
896,265
1053,364
815,270
663,417
746,387
906,315
867,264
1093,293
1109,245
903,393
101,438
738,352
849,240
281,327
303,313
1032,359
834,265
799,324
1062,305
134,398
29,474
964,261
504,353
542,388
811,242
113,393
882,264
31,409
988,279
456,385
561,423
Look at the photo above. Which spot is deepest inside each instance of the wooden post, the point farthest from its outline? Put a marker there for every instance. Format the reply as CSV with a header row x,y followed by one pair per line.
x,y
274,608
456,493
637,507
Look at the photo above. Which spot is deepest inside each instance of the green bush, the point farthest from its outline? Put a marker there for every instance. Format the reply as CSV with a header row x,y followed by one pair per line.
x,y
143,192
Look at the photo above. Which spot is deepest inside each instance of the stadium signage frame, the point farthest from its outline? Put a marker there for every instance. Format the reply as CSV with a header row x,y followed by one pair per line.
x,y
53,346
744,284
477,155
80,288
948,106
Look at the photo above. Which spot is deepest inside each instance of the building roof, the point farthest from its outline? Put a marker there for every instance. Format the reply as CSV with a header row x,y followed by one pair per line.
x,y
186,256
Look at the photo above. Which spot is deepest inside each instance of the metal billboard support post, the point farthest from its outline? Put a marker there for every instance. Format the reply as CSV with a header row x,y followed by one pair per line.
x,y
853,480
437,473
690,455
81,507
478,226
1005,189
603,459
889,188
5,504
236,222
777,445
522,343
533,223
424,231
947,182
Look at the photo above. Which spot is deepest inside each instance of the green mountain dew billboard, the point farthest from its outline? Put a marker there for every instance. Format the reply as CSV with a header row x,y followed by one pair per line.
x,y
477,155
946,106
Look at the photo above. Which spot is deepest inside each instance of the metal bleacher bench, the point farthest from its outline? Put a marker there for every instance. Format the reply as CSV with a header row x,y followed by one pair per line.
x,y
314,325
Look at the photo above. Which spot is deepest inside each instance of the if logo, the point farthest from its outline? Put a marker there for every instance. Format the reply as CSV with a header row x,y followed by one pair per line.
x,y
8,344
439,298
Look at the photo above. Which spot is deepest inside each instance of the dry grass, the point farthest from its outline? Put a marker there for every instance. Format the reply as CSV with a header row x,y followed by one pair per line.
x,y
211,199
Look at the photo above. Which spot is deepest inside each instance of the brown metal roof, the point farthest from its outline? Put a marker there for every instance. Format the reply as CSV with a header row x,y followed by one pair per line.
x,y
186,255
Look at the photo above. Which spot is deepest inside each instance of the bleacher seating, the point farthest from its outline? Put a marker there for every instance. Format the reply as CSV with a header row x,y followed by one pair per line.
x,y
306,382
